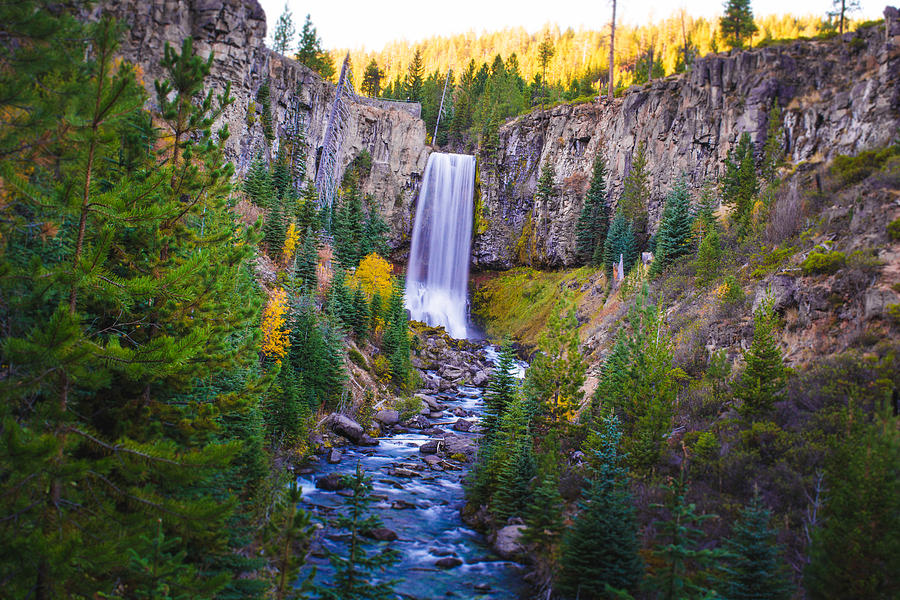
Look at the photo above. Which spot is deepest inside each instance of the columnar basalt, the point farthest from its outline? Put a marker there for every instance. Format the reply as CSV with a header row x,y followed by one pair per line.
x,y
839,96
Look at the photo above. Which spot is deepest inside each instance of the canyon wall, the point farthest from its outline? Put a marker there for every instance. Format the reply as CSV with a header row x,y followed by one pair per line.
x,y
235,30
838,96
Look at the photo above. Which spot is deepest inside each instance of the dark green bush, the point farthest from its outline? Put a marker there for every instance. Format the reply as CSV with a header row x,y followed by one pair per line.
x,y
853,169
823,262
358,359
893,229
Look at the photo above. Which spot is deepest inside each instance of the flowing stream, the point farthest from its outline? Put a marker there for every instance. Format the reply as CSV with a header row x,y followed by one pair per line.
x,y
423,511
437,278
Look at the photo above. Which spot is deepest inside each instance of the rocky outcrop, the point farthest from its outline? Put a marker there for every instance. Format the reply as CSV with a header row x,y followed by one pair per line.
x,y
299,99
838,97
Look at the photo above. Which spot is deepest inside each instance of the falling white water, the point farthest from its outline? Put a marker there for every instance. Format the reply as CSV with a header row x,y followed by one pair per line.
x,y
438,273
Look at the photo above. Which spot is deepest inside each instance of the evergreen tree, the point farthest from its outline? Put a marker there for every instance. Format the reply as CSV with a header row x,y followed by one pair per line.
x,y
375,310
112,445
600,550
840,8
310,53
773,149
709,256
415,77
764,376
361,316
354,577
684,567
739,184
737,24
619,243
258,184
396,342
283,38
544,516
514,480
545,188
752,567
306,212
675,229
635,194
593,222
545,54
855,552
502,388
374,238
288,536
371,83
307,262
275,229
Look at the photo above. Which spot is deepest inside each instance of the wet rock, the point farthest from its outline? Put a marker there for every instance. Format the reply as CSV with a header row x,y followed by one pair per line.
x,y
367,440
482,587
334,456
381,534
429,447
429,401
437,414
304,471
402,505
432,460
347,428
448,562
462,425
402,472
418,422
479,380
507,541
387,418
441,551
457,444
332,482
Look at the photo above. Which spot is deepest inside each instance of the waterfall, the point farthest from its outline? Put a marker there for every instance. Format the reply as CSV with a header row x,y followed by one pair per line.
x,y
438,273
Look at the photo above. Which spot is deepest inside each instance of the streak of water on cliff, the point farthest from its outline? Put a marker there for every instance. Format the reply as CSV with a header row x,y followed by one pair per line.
x,y
438,273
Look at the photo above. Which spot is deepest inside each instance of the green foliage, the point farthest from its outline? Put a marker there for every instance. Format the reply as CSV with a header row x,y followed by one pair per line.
x,y
675,233
733,294
709,256
396,342
853,169
274,229
737,23
288,536
683,567
354,577
514,476
258,184
544,516
828,262
753,567
773,149
263,97
620,242
855,552
601,549
283,38
371,83
635,194
639,382
310,53
764,376
545,189
502,389
740,185
308,258
593,222
415,77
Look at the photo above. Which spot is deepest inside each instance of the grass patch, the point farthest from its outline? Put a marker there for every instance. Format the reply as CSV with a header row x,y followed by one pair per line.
x,y
517,303
823,262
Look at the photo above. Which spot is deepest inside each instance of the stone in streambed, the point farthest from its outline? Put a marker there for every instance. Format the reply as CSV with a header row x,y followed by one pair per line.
x,y
507,541
334,456
482,587
462,425
332,482
381,534
429,447
432,460
479,380
448,562
388,418
367,440
347,428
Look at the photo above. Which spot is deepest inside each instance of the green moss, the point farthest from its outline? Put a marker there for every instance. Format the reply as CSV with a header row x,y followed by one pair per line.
x,y
357,359
893,311
772,260
853,169
823,262
893,229
525,244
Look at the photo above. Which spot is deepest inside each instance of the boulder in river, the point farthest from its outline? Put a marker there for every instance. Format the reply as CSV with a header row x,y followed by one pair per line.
x,y
429,447
347,428
507,541
381,534
457,444
331,482
430,401
480,379
367,440
418,422
462,425
448,562
387,418
334,456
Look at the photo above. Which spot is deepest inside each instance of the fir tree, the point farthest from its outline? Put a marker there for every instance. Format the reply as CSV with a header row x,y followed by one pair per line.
x,y
752,567
709,256
307,262
502,388
258,184
544,516
371,83
675,229
593,222
274,229
396,343
361,316
283,38
737,23
514,480
545,187
415,76
310,53
684,568
620,242
635,194
773,149
764,376
739,184
288,536
600,550
354,577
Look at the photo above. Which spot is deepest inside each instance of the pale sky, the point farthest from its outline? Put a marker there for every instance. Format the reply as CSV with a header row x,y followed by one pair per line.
x,y
356,23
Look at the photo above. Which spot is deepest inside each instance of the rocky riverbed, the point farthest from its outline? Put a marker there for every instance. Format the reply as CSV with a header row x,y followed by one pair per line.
x,y
417,466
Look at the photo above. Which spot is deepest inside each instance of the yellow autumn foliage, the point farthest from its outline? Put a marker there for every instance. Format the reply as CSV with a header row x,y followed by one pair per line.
x,y
373,274
275,336
290,244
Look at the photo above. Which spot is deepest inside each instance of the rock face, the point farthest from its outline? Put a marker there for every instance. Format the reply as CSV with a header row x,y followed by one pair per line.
x,y
234,30
837,97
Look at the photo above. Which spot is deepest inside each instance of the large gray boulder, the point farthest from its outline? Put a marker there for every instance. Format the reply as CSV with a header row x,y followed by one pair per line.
x,y
508,541
347,428
387,418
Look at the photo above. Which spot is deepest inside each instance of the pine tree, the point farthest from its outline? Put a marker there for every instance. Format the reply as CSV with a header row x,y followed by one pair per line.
x,y
545,54
620,242
502,388
675,229
773,149
635,194
415,77
709,256
396,343
684,567
354,577
514,480
275,229
310,53
288,535
307,262
739,184
764,376
258,184
283,38
737,23
600,550
371,83
544,516
545,187
593,222
855,552
361,316
752,567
